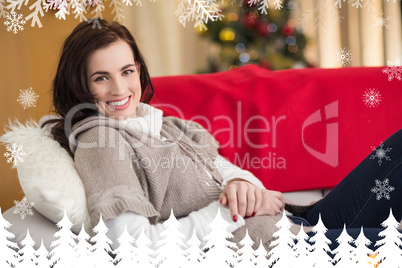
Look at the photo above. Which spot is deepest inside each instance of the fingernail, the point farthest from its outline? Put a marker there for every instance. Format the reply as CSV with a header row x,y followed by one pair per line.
x,y
246,217
252,215
235,218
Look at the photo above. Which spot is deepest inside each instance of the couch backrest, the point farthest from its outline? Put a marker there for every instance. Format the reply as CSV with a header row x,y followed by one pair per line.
x,y
295,129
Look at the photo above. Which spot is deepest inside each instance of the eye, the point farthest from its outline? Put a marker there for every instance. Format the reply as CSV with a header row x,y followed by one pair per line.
x,y
100,78
126,72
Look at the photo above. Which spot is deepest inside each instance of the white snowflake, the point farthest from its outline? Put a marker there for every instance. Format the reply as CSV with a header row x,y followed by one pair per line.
x,y
394,70
23,207
27,98
14,154
343,56
380,22
381,153
14,22
198,10
339,3
324,12
382,189
38,11
372,97
357,3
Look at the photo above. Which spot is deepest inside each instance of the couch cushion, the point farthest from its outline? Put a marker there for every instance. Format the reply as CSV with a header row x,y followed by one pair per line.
x,y
276,123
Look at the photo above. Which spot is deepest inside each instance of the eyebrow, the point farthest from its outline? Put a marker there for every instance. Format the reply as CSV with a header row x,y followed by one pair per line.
x,y
104,72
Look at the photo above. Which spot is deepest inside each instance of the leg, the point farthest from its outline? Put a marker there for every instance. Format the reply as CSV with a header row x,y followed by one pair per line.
x,y
353,203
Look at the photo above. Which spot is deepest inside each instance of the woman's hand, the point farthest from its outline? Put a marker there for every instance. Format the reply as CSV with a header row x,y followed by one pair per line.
x,y
247,200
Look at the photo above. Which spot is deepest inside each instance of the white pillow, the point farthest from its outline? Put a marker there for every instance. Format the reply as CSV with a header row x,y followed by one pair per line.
x,y
48,175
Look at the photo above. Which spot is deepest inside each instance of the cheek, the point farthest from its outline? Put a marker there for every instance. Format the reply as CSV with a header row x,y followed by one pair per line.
x,y
96,91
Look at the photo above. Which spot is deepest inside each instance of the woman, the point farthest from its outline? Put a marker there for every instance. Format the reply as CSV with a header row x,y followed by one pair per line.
x,y
101,90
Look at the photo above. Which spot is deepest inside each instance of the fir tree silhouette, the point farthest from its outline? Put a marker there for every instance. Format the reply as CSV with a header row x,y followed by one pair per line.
x,y
282,252
261,256
194,254
63,252
125,252
362,251
345,255
220,250
83,248
27,252
42,256
303,249
8,249
100,251
321,246
170,252
389,248
143,255
246,253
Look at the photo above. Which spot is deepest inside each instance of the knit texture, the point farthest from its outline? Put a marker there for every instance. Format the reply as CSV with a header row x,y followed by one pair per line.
x,y
127,170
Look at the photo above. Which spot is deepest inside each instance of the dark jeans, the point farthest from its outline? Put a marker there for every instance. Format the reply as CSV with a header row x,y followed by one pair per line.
x,y
353,203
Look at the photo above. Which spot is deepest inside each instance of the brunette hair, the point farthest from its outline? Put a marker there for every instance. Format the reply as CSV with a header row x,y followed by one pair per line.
x,y
70,85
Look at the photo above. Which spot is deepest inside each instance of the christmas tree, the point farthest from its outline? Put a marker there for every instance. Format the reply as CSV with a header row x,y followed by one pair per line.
x,y
253,33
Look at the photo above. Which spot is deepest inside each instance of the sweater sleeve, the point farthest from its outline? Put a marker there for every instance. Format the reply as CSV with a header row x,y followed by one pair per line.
x,y
196,221
111,185
230,171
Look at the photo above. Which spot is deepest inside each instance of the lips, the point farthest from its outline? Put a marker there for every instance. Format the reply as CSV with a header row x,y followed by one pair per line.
x,y
119,105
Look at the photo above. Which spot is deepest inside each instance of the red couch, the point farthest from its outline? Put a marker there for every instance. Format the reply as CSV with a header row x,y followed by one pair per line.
x,y
296,130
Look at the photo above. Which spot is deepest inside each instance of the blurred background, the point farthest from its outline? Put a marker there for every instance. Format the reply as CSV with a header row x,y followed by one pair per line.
x,y
281,35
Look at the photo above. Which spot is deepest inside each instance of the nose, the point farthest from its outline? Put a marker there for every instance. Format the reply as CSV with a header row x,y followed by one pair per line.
x,y
118,87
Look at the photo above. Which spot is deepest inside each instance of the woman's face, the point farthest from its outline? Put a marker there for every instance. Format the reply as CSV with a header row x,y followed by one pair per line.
x,y
114,80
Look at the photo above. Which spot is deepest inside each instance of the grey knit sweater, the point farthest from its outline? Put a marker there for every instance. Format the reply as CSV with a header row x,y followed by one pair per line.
x,y
126,170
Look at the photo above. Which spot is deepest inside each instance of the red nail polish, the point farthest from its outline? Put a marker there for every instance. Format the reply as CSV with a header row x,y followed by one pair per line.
x,y
252,215
235,218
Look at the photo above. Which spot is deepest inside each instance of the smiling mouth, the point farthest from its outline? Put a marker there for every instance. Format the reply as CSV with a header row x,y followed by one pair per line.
x,y
119,105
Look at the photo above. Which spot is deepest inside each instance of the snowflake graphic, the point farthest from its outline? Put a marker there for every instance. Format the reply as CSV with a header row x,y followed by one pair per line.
x,y
343,56
23,207
380,22
393,70
372,97
14,22
27,98
381,153
382,189
14,154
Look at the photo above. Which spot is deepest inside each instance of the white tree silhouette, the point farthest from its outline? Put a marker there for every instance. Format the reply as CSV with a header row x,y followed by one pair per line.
x,y
125,252
319,255
246,252
303,248
170,252
194,254
42,254
362,251
345,256
63,252
261,256
389,247
27,252
8,249
83,249
143,253
282,252
219,252
100,251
